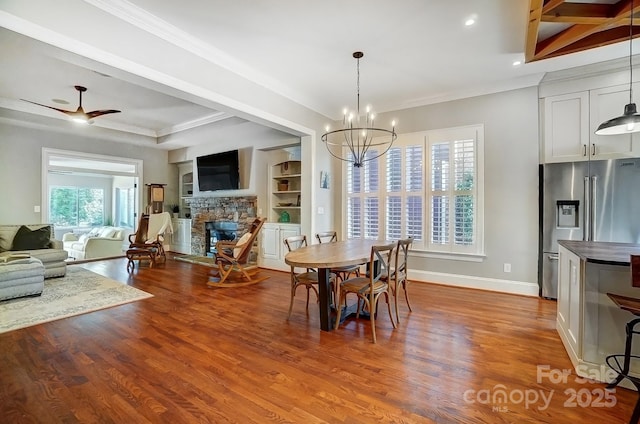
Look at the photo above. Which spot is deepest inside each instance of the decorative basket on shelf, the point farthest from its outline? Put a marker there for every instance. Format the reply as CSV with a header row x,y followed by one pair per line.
x,y
283,185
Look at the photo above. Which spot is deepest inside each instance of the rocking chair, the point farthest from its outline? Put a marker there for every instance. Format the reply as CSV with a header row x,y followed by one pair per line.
x,y
233,256
147,241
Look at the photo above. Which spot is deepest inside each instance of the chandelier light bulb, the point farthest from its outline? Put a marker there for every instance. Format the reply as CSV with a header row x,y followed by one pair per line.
x,y
327,128
630,126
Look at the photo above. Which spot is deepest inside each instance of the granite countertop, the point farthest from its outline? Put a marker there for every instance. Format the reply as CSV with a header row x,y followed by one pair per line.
x,y
602,252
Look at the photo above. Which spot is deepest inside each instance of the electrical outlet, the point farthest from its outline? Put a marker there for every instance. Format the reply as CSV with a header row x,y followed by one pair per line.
x,y
507,267
36,209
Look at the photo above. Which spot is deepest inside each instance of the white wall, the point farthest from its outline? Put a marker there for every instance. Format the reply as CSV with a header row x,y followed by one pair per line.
x,y
511,188
21,164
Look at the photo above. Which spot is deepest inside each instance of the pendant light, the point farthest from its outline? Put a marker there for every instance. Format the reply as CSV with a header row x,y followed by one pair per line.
x,y
629,122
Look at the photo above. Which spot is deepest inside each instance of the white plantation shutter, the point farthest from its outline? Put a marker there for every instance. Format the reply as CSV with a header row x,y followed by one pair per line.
x,y
453,194
424,187
439,188
405,191
464,159
414,188
362,199
354,221
393,227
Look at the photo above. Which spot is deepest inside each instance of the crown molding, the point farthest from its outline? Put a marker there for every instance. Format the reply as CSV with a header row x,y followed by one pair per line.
x,y
205,120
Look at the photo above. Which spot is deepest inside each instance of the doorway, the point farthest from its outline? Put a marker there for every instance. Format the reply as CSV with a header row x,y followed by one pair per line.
x,y
84,191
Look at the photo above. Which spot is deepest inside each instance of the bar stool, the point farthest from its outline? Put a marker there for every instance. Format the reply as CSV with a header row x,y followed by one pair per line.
x,y
632,305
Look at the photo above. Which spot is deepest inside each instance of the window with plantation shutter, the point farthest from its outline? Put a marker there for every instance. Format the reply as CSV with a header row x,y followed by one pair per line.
x,y
425,187
362,199
453,194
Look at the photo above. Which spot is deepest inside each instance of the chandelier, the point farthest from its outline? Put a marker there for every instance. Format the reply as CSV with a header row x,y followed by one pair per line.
x,y
359,140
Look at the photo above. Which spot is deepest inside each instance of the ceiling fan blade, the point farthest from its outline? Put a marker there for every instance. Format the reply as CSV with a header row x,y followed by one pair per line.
x,y
50,107
96,113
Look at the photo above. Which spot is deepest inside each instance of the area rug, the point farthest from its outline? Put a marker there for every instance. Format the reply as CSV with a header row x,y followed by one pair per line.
x,y
79,292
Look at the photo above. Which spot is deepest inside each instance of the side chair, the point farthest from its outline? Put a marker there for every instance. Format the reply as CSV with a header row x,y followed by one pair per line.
x,y
398,274
343,272
307,278
371,287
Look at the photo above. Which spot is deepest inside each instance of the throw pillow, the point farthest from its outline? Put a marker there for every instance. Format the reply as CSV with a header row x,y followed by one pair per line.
x,y
107,232
27,239
240,244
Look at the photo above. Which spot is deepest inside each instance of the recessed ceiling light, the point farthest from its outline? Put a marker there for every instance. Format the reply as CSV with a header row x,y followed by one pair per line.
x,y
470,21
517,63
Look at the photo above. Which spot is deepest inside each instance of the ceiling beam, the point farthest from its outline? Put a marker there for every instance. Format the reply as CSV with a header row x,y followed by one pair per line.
x,y
603,38
535,14
578,13
562,42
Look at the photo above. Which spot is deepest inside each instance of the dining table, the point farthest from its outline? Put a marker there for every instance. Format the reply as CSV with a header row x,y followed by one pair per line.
x,y
323,257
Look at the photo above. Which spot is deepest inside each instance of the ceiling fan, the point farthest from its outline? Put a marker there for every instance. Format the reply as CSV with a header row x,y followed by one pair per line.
x,y
79,115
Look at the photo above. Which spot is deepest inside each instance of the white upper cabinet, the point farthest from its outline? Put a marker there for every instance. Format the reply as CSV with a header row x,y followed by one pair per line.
x,y
570,122
566,127
607,103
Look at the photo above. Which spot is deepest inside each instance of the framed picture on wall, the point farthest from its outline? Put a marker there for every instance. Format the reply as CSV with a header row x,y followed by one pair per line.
x,y
324,179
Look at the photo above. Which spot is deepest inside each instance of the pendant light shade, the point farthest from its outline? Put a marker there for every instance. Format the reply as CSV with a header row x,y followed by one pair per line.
x,y
629,122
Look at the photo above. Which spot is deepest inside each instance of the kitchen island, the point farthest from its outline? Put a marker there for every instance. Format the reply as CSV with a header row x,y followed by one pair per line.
x,y
590,325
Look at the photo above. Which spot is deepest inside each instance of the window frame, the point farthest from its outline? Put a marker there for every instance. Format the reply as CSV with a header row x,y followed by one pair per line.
x,y
473,252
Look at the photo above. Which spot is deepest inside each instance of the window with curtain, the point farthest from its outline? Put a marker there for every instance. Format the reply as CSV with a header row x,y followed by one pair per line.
x,y
425,187
76,206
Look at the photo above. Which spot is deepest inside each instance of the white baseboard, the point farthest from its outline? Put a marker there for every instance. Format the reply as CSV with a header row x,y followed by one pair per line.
x,y
472,282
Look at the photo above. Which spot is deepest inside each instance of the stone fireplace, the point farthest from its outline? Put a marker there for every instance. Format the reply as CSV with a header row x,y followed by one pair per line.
x,y
218,231
222,212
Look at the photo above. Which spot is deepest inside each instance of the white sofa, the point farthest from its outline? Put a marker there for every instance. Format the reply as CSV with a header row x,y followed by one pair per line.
x,y
50,253
100,242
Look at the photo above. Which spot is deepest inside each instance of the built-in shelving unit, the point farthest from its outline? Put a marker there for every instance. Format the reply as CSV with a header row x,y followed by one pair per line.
x,y
185,188
286,192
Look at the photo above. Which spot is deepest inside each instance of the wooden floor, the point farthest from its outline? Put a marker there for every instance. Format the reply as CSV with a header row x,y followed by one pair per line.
x,y
195,354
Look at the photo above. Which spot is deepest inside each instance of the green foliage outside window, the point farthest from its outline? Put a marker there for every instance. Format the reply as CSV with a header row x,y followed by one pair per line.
x,y
76,206
464,211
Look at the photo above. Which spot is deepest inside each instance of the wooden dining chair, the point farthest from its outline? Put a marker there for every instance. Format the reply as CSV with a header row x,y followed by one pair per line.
x,y
307,278
343,272
370,288
398,275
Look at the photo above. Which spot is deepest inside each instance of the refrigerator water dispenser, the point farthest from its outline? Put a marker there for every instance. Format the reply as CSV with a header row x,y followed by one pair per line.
x,y
567,213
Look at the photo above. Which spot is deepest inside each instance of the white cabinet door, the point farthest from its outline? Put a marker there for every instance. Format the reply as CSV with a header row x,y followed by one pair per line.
x,y
570,292
181,237
566,127
607,103
273,248
270,241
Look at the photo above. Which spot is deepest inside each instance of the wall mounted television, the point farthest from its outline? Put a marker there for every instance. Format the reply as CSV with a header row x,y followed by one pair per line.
x,y
218,171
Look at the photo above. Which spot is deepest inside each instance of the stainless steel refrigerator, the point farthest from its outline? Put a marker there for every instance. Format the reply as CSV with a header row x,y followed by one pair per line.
x,y
592,200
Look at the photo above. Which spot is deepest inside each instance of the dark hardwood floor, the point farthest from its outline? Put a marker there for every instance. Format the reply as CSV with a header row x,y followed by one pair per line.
x,y
196,354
